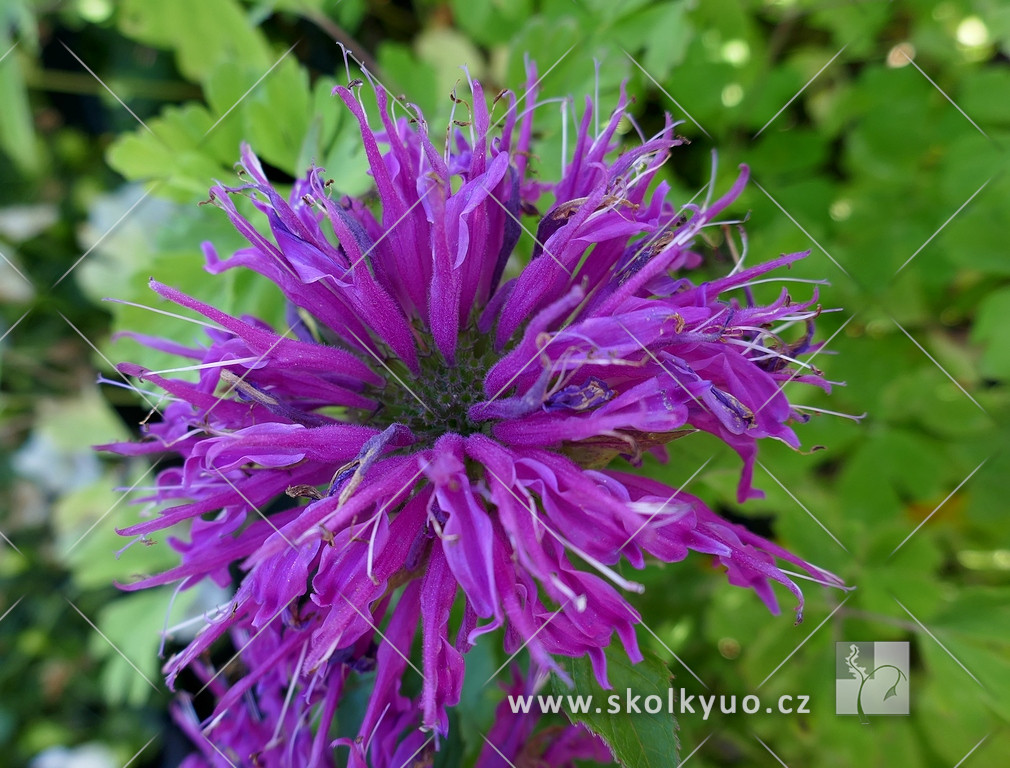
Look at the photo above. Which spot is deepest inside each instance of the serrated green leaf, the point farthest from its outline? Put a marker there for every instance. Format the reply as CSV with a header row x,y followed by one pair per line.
x,y
636,739
659,35
132,623
202,33
276,116
175,153
493,22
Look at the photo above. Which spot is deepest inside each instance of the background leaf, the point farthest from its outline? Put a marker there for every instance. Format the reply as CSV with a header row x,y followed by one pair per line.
x,y
637,739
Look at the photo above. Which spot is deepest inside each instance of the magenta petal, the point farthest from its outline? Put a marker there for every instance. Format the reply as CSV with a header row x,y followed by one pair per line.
x,y
467,536
442,662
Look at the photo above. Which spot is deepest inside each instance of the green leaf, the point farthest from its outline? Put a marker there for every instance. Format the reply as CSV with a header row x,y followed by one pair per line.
x,y
989,332
637,739
448,52
132,625
788,153
981,613
493,22
175,152
189,146
976,97
201,33
604,11
65,422
17,139
989,663
407,76
476,710
657,36
284,92
888,467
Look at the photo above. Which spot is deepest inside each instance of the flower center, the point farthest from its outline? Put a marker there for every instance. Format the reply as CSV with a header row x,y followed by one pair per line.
x,y
437,401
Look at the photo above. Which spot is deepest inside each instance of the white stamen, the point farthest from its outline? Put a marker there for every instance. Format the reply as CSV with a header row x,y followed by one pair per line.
x,y
768,353
205,366
168,314
564,137
169,631
805,577
287,697
596,95
711,184
849,416
578,600
784,280
134,388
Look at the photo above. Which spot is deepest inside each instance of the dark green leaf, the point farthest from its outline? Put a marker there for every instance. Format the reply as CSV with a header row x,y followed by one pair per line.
x,y
637,739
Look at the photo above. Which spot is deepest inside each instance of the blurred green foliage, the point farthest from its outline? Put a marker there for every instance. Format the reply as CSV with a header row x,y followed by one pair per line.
x,y
876,133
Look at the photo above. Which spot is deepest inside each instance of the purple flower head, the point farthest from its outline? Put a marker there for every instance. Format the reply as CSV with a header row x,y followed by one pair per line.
x,y
436,425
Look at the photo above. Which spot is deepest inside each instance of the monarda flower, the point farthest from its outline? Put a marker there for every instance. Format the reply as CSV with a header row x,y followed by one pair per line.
x,y
436,426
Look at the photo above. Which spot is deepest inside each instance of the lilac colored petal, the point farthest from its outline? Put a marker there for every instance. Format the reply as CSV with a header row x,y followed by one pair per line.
x,y
466,535
442,662
280,350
